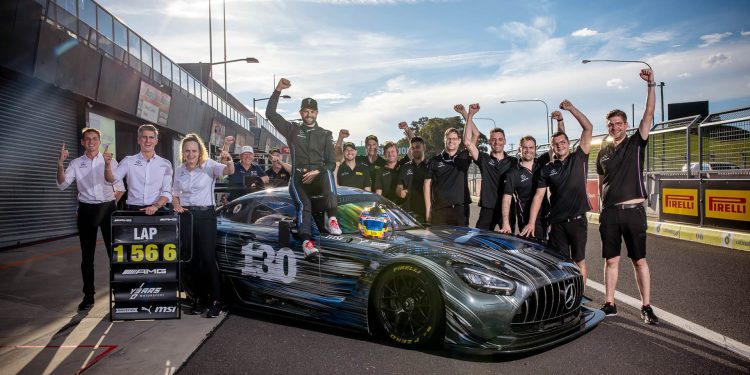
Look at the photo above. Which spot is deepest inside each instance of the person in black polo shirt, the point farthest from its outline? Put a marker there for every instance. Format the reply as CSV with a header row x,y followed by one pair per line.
x,y
446,186
566,178
280,172
494,166
351,173
386,177
520,185
620,168
411,180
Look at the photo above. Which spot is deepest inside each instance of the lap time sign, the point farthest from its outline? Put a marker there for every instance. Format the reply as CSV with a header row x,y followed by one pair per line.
x,y
144,267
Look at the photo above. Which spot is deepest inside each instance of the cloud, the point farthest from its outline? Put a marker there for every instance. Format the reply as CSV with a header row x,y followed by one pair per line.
x,y
650,38
716,60
744,33
584,32
710,39
684,75
616,82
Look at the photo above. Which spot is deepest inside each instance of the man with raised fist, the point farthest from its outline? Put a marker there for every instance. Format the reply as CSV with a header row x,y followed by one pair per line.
x,y
314,160
96,202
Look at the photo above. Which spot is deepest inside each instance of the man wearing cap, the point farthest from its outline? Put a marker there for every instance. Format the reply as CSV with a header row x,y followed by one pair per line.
x,y
313,163
350,173
241,181
280,171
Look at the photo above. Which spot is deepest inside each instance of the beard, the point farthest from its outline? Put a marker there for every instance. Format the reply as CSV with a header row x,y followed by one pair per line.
x,y
309,121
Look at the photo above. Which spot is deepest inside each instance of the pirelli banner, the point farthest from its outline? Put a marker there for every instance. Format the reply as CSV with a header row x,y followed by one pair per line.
x,y
144,272
726,203
680,201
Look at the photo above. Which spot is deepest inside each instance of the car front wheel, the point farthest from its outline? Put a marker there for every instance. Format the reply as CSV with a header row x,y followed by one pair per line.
x,y
409,306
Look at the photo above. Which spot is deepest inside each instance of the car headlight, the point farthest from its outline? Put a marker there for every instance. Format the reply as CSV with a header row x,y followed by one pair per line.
x,y
485,280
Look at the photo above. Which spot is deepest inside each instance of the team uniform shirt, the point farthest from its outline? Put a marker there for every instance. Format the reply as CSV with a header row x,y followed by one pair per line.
x,y
238,177
521,183
196,187
278,179
357,178
386,179
567,184
493,174
449,175
622,169
372,167
411,176
147,179
88,175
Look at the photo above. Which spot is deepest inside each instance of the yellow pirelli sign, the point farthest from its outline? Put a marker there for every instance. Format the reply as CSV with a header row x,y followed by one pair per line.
x,y
680,201
728,204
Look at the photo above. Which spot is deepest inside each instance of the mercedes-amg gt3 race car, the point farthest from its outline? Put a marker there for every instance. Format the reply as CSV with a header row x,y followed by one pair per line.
x,y
387,274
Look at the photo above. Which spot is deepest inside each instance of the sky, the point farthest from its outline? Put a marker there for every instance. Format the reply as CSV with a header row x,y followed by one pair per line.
x,y
373,63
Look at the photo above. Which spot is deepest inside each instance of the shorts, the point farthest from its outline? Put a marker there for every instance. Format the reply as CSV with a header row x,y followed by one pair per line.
x,y
628,224
569,237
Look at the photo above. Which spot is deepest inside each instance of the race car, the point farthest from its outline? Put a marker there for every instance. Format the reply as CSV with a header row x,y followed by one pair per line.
x,y
416,285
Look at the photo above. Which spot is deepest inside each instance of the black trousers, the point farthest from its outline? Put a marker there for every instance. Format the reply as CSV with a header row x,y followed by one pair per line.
x,y
452,215
324,185
201,275
92,218
489,218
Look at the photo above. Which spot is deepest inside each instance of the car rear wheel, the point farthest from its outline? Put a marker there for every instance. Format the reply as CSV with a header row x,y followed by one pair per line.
x,y
408,306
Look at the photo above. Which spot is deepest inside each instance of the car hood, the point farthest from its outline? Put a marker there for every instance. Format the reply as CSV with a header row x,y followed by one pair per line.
x,y
519,258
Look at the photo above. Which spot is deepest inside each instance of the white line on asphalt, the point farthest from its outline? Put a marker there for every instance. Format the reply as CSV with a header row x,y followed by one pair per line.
x,y
696,329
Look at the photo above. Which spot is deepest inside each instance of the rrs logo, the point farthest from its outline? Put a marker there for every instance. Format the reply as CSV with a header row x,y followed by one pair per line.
x,y
263,261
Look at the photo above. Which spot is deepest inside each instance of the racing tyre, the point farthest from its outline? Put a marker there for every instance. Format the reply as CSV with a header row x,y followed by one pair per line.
x,y
408,306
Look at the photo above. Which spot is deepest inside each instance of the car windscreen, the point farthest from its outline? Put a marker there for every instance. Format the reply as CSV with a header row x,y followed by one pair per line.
x,y
350,208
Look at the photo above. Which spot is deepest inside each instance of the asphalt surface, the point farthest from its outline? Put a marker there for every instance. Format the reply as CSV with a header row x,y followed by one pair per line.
x,y
703,284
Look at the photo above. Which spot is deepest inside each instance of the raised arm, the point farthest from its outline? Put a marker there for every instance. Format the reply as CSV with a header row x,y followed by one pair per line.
x,y
343,134
471,132
645,127
585,141
557,116
61,173
283,126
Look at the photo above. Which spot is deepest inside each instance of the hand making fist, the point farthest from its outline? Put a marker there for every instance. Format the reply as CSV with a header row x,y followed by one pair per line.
x,y
557,115
343,133
225,156
647,75
473,108
107,155
283,84
403,125
566,105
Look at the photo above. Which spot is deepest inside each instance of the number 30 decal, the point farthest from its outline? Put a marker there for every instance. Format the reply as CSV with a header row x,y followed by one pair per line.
x,y
263,261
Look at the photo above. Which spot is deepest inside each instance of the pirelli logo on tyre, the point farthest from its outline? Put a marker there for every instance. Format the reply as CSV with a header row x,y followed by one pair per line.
x,y
680,202
728,204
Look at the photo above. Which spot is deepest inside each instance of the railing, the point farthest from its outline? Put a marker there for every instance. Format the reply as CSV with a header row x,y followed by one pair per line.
x,y
99,29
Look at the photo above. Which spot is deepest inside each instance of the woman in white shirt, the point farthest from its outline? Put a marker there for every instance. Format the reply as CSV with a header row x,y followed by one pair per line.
x,y
193,191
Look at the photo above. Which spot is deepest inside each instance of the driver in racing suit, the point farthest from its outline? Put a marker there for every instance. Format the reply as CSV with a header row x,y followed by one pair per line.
x,y
313,160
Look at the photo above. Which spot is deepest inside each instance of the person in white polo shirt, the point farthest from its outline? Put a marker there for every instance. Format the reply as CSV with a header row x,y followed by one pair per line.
x,y
149,175
193,191
96,202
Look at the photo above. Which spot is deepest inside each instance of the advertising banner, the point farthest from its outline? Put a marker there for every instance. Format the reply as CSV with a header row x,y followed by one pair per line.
x,y
153,105
680,201
144,276
726,203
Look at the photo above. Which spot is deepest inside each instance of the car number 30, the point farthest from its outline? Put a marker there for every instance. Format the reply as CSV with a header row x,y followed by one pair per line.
x,y
263,261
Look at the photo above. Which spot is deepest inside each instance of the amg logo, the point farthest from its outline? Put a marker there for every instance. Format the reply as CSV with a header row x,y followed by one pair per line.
x,y
165,309
679,201
727,204
145,271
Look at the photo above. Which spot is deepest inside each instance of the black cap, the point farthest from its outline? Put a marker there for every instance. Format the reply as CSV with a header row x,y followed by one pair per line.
x,y
349,144
309,103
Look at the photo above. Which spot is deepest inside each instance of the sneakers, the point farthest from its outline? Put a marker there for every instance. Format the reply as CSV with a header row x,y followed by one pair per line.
x,y
332,226
609,309
648,316
86,304
214,310
308,247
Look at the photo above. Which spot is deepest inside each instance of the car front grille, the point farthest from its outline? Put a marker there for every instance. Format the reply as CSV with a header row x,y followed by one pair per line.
x,y
549,306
